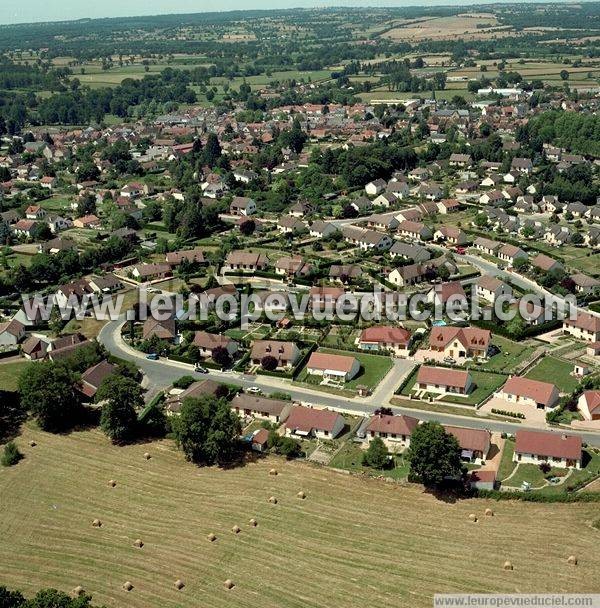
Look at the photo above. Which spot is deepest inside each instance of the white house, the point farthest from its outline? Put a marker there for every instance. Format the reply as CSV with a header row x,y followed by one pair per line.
x,y
309,422
557,449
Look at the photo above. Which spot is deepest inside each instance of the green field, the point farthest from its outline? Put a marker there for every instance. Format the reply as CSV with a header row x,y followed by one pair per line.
x,y
9,373
359,541
350,459
550,369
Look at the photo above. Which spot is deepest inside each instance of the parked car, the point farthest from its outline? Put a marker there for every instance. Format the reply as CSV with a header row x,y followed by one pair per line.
x,y
201,370
152,356
460,250
253,389
450,360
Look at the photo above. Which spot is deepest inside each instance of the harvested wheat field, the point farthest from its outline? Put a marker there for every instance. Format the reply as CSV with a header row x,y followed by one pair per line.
x,y
349,542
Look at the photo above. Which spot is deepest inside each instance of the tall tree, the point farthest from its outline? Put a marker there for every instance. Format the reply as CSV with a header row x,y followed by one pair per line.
x,y
207,430
121,396
47,391
434,454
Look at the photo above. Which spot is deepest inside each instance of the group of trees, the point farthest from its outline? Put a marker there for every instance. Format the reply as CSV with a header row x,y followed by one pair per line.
x,y
46,598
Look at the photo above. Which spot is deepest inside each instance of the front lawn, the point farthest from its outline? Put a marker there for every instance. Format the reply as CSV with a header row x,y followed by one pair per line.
x,y
485,384
373,368
507,466
551,369
534,475
590,469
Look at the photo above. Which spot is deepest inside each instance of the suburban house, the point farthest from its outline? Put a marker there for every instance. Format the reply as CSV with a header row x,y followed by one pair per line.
x,y
517,389
383,221
366,239
444,381
493,198
489,288
293,266
207,343
450,294
375,187
246,261
88,221
274,410
408,275
11,332
395,431
460,160
585,326
385,338
474,443
460,342
589,405
345,272
162,329
585,284
107,283
35,348
546,263
451,235
287,224
242,205
414,230
310,422
509,253
321,229
151,272
195,391
557,449
417,253
285,353
194,256
487,246
333,368
92,378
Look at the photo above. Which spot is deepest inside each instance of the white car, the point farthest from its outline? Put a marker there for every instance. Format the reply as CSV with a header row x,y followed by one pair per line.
x,y
253,389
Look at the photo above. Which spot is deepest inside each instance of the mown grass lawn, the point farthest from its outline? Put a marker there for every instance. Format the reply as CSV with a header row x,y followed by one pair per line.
x,y
550,369
350,459
533,474
590,469
373,368
507,466
511,354
485,384
10,372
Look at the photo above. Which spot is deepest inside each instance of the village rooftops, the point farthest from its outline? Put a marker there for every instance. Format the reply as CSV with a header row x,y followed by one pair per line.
x,y
552,445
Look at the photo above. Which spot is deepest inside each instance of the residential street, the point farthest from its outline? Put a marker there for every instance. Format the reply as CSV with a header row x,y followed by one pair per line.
x,y
160,374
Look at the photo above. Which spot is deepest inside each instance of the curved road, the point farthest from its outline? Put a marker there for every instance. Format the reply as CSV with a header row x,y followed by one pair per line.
x,y
161,374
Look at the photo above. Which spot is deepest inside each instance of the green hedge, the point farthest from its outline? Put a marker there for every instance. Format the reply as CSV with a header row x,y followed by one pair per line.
x,y
538,496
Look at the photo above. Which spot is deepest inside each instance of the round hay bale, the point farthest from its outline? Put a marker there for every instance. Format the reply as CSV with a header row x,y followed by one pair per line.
x,y
112,483
32,443
301,495
97,523
473,517
138,543
78,591
253,523
127,586
229,584
211,537
273,472
489,513
273,500
572,560
236,529
507,565
179,584
147,456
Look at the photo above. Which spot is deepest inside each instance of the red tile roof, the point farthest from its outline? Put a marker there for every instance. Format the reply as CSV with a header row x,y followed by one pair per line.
x,y
476,440
323,361
442,376
306,419
397,425
387,334
540,392
469,337
544,443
